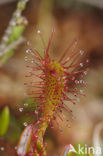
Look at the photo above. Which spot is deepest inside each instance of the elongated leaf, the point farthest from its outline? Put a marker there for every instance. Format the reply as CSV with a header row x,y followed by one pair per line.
x,y
4,120
24,143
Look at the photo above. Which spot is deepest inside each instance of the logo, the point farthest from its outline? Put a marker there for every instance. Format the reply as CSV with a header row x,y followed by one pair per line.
x,y
80,149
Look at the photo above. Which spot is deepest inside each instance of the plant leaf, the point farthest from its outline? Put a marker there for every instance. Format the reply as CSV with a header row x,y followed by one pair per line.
x,y
24,143
4,120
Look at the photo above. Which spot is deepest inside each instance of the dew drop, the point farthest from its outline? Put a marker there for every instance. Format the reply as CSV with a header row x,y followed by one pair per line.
x,y
85,72
25,124
2,148
81,81
15,147
26,58
87,60
76,81
64,77
84,82
38,31
32,61
20,109
81,91
28,43
36,112
81,52
28,51
25,104
81,64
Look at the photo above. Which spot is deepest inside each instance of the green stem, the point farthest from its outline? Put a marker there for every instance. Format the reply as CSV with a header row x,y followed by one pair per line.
x,y
12,35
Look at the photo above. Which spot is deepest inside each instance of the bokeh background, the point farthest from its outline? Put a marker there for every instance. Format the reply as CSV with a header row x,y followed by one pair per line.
x,y
81,19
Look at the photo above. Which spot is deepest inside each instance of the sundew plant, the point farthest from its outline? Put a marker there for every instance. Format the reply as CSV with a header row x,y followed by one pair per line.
x,y
52,83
